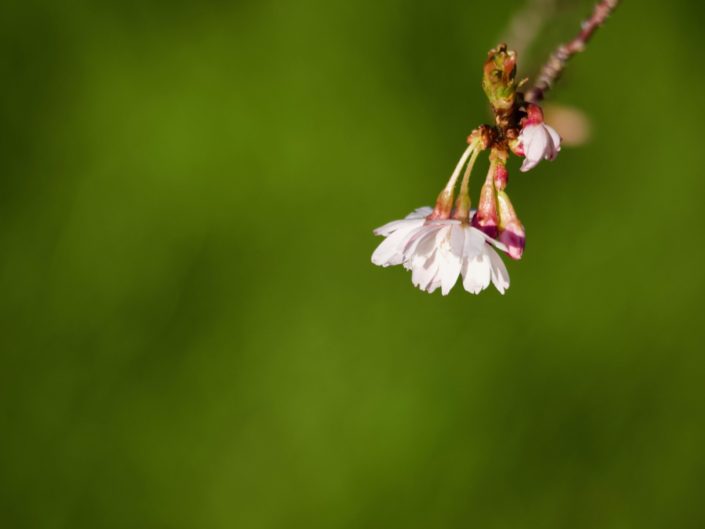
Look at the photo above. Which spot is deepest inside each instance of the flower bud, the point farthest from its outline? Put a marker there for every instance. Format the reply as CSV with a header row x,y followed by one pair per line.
x,y
514,238
498,80
511,230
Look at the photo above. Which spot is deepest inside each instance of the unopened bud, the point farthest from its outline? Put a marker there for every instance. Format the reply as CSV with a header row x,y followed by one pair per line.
x,y
511,230
498,80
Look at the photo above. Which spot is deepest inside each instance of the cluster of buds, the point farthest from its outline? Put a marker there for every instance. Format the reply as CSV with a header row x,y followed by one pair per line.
x,y
519,128
439,245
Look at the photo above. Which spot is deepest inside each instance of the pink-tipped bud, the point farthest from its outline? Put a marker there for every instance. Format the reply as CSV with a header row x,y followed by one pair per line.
x,y
486,218
513,237
512,233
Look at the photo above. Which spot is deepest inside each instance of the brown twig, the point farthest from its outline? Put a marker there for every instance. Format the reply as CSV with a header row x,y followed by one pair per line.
x,y
553,68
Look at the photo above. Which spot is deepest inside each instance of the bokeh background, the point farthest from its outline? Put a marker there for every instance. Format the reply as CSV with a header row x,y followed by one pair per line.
x,y
193,335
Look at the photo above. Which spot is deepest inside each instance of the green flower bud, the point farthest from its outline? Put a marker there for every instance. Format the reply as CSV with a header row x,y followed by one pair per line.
x,y
499,79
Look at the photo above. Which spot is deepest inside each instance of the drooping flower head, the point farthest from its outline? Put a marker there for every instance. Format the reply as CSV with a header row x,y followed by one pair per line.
x,y
438,252
439,245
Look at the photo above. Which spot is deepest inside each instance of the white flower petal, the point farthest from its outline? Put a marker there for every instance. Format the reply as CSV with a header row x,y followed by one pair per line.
x,y
451,256
427,242
424,271
538,142
391,250
434,285
476,273
439,251
500,275
457,239
474,242
420,213
444,260
449,272
494,242
395,225
528,165
413,242
556,138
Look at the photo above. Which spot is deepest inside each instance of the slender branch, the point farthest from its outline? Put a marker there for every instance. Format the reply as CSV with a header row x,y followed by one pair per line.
x,y
553,68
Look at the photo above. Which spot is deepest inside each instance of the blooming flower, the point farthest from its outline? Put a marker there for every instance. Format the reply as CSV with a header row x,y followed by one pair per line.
x,y
439,251
537,140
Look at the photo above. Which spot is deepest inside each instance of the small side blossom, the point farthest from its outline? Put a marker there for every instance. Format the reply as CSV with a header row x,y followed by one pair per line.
x,y
537,141
438,252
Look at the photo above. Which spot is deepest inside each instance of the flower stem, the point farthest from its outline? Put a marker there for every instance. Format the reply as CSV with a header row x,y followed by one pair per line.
x,y
462,205
471,149
444,202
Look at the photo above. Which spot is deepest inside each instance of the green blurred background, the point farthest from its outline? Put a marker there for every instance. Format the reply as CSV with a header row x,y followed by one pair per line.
x,y
193,335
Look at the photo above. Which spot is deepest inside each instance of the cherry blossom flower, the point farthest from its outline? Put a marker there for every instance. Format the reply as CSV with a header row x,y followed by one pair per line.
x,y
439,251
537,140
